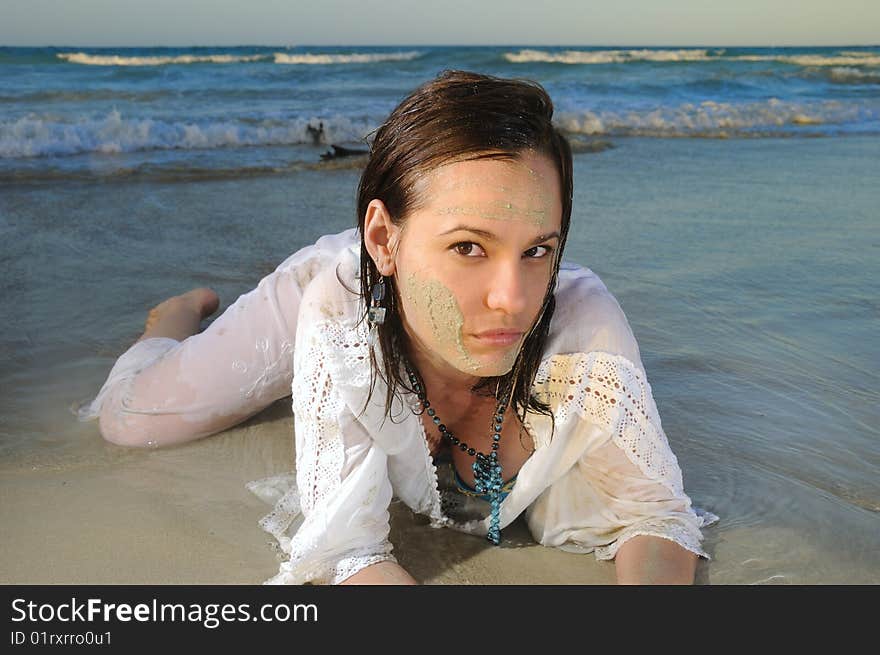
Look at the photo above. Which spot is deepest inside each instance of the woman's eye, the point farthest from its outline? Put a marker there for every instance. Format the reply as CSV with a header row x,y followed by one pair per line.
x,y
534,249
465,248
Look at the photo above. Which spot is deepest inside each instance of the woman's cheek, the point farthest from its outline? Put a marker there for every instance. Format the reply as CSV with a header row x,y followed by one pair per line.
x,y
437,308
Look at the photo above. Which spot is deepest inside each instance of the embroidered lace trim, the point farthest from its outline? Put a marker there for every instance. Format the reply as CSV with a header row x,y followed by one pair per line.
x,y
666,528
320,458
612,392
317,406
348,566
438,516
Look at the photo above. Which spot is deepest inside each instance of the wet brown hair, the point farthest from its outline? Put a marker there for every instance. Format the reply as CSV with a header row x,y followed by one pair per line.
x,y
459,116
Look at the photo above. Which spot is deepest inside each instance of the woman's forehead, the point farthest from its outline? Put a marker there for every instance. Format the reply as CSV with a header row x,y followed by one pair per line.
x,y
490,174
520,191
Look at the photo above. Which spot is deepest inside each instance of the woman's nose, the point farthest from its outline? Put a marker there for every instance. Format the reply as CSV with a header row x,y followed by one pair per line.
x,y
507,289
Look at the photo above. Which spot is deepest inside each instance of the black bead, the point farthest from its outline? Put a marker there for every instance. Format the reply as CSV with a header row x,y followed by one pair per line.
x,y
463,446
471,451
442,427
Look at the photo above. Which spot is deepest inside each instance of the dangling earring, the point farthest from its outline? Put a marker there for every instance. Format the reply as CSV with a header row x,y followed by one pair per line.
x,y
376,313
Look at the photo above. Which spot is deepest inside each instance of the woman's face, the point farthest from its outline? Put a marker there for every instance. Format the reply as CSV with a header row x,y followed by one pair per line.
x,y
477,257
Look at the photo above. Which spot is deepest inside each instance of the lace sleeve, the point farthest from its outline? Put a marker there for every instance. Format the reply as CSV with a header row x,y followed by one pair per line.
x,y
628,483
334,520
162,391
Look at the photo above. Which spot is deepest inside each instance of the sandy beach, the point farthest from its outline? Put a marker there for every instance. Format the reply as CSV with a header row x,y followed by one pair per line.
x,y
184,516
149,521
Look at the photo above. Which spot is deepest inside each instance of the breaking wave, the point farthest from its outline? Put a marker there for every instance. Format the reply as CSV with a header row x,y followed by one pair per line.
x,y
845,58
35,136
116,60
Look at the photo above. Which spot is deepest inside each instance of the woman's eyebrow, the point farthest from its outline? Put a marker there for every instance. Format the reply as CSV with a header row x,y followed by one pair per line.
x,y
492,237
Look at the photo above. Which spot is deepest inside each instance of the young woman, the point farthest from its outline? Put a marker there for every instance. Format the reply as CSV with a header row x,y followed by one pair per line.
x,y
440,353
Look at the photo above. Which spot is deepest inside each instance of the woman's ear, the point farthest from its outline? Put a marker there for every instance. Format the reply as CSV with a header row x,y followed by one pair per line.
x,y
381,237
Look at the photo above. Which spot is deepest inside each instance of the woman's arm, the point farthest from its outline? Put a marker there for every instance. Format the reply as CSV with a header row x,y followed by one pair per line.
x,y
645,559
624,497
176,384
382,573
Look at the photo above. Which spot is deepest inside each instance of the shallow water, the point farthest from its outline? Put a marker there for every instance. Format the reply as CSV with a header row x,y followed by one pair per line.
x,y
748,270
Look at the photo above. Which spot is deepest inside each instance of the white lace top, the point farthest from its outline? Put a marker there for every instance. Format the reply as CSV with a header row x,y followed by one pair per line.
x,y
607,475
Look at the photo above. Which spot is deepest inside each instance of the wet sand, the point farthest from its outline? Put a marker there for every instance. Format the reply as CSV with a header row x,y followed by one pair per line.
x,y
184,516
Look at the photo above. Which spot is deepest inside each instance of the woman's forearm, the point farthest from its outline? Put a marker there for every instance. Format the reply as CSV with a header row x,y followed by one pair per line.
x,y
646,559
381,573
154,407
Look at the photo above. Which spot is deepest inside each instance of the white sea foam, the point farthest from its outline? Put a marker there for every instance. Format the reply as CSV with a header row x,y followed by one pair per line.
x,y
711,118
604,56
848,75
353,58
35,136
853,59
38,135
116,60
857,53
278,58
627,56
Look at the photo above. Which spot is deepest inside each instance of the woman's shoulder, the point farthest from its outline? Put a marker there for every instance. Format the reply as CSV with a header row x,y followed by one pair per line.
x,y
591,367
307,262
332,290
588,318
327,244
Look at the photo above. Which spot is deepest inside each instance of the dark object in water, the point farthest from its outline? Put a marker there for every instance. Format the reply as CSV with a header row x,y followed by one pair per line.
x,y
317,134
340,151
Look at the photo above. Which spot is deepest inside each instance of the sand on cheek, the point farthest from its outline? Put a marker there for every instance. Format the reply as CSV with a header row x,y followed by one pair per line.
x,y
434,300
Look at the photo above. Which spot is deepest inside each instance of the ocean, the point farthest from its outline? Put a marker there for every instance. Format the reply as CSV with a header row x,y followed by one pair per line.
x,y
728,197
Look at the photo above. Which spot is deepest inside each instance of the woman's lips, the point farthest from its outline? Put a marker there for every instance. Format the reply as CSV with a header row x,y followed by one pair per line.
x,y
499,337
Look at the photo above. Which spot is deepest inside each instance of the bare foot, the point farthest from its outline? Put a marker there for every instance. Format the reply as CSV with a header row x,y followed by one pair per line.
x,y
201,301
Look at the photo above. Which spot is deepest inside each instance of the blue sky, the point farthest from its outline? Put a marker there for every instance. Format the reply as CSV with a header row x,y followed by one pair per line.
x,y
439,22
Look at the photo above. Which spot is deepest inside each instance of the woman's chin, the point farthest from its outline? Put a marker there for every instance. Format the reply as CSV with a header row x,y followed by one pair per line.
x,y
497,363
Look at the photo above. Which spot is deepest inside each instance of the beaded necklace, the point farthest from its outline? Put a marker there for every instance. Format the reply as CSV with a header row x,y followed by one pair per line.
x,y
487,468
